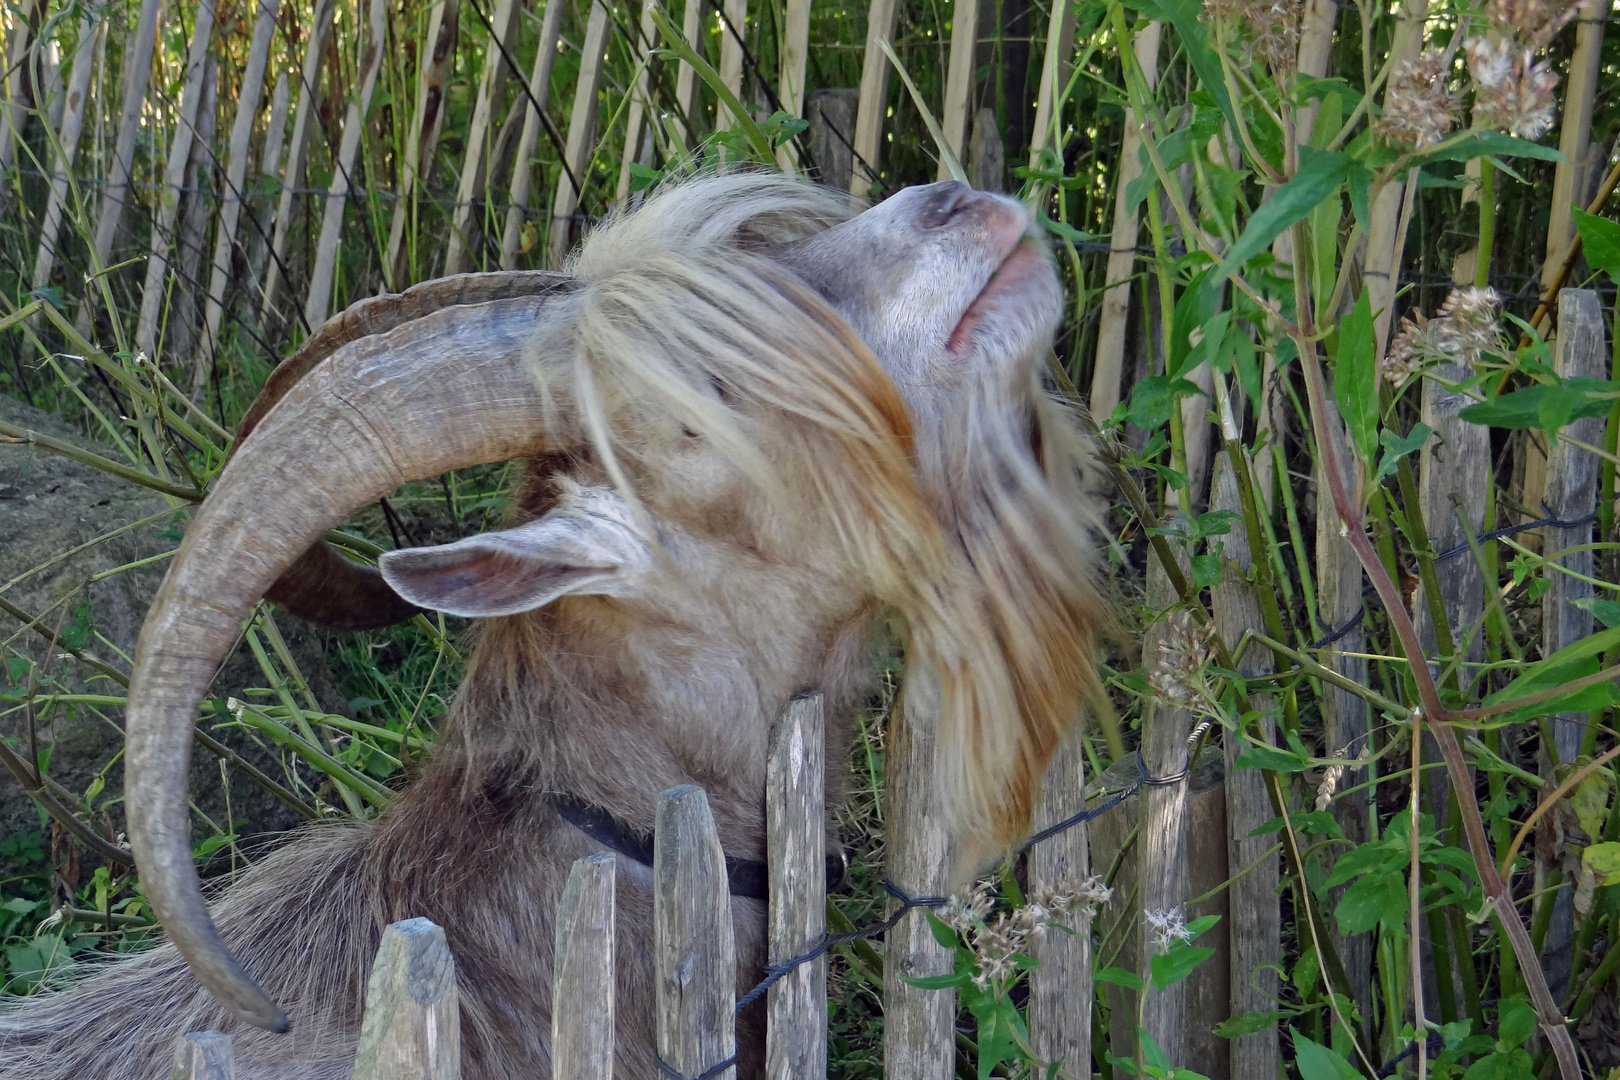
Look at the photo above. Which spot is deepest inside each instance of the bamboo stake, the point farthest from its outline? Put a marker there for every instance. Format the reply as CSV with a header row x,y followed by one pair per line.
x,y
503,35
275,135
1382,267
137,70
372,45
305,117
91,30
874,101
169,197
735,18
247,109
959,79
433,77
795,54
523,168
14,114
581,131
1575,131
640,100
1109,368
685,74
1054,74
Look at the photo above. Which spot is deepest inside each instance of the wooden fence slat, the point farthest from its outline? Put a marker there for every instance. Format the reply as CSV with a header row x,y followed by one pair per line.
x,y
796,835
1572,490
640,98
427,121
1384,249
412,1025
695,954
582,995
1054,75
959,80
504,29
795,55
581,132
259,199
1575,133
918,1024
685,75
874,100
1254,927
305,117
373,45
203,1055
831,112
249,94
1060,988
523,165
734,24
92,28
174,181
1109,368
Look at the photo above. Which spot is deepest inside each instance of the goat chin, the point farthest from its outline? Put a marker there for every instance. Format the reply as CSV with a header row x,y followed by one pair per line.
x,y
318,905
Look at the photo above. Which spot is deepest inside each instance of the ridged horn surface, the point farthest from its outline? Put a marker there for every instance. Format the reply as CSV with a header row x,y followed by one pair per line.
x,y
445,391
322,585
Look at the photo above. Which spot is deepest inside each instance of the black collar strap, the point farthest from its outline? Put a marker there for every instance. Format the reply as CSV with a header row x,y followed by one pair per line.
x,y
748,877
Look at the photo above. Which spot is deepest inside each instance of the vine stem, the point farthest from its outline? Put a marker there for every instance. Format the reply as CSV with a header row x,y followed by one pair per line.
x,y
1437,717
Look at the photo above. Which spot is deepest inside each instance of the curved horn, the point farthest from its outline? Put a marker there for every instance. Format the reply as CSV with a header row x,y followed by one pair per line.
x,y
323,586
445,391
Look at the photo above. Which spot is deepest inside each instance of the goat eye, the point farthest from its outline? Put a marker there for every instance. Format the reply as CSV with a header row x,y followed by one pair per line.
x,y
688,432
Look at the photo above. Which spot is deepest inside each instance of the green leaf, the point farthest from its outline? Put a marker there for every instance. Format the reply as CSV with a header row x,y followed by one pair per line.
x,y
1371,900
1607,612
77,632
1366,859
1481,143
1206,569
1513,1065
1171,967
1184,15
1569,663
1318,1062
1257,756
1355,378
1247,1024
942,933
1516,1021
1194,309
1397,447
1319,176
1152,1053
1546,408
1600,242
1603,862
1119,977
936,982
1154,398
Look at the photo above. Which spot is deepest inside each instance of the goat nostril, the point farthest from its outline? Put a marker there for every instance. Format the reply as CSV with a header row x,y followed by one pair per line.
x,y
952,198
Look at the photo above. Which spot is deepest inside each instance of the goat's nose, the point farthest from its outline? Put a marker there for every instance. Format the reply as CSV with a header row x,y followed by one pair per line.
x,y
946,199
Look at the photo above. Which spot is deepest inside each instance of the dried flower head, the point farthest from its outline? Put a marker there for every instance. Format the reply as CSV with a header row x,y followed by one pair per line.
x,y
1406,352
1273,27
1329,784
1419,108
1167,927
1467,324
965,913
1514,93
1176,674
1538,21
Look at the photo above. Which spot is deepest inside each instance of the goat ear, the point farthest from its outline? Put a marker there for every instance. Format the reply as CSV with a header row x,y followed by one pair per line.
x,y
571,551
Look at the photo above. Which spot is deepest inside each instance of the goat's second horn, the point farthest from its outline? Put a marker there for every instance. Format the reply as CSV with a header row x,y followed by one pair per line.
x,y
446,391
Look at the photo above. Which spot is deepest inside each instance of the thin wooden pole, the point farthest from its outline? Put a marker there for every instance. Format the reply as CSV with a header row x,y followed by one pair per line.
x,y
1575,133
247,109
874,101
91,30
695,954
640,101
373,44
523,166
258,244
427,121
582,996
412,1025
918,1024
1109,368
686,75
15,110
203,1055
959,80
1054,76
137,70
734,14
1383,260
305,118
581,132
170,195
796,835
503,32
790,85
1060,989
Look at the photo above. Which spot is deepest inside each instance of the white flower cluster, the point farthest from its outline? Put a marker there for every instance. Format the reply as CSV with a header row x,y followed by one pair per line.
x,y
998,943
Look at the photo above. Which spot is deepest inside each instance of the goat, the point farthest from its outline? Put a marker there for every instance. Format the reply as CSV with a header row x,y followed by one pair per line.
x,y
754,427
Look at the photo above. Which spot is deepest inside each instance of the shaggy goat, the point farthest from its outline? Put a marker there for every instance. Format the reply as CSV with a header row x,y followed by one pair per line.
x,y
752,429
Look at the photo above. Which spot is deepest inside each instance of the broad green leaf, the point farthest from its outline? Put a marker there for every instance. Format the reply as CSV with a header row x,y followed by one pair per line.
x,y
1247,1024
1152,1052
1319,176
1602,861
1571,662
1171,967
1607,612
1154,398
1546,408
1194,309
1590,802
942,933
77,632
1371,900
1318,1062
1119,977
1206,569
1515,1022
936,982
1513,1065
1397,447
1271,759
1600,242
1481,143
1185,16
1355,379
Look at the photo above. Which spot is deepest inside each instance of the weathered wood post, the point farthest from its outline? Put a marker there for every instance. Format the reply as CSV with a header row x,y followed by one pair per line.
x,y
873,101
581,133
796,836
1060,988
203,1055
502,38
434,64
695,954
918,1024
1572,478
582,996
545,54
412,1025
959,72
